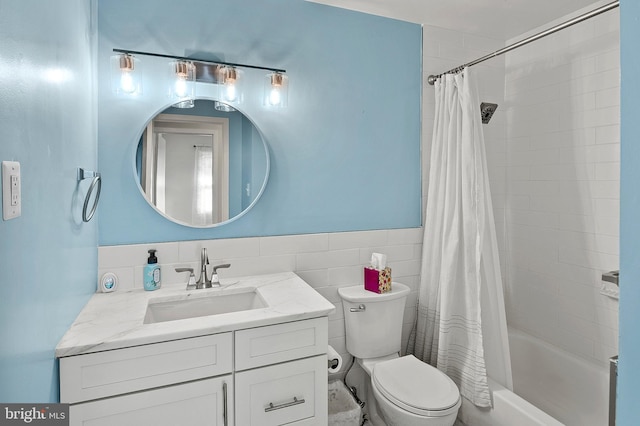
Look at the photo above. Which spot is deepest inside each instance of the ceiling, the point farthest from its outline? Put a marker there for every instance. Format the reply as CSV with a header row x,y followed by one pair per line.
x,y
502,19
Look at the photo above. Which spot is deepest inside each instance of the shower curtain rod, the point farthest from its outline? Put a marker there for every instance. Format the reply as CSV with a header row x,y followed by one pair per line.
x,y
432,78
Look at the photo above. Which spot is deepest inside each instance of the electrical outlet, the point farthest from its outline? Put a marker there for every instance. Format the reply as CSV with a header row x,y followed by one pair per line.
x,y
11,190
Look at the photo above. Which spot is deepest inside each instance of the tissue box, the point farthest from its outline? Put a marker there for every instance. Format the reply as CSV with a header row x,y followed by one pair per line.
x,y
378,281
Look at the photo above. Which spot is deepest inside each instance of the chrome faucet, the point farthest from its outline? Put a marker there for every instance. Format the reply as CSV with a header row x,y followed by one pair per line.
x,y
215,281
203,281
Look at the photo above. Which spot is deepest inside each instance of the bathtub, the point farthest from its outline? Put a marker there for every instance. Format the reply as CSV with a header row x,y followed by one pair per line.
x,y
552,388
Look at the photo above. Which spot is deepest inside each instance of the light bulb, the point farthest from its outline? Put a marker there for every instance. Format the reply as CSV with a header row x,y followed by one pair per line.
x,y
125,77
230,92
275,90
182,80
126,82
181,87
274,96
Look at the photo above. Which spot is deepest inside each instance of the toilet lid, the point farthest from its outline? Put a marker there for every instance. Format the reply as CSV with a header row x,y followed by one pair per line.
x,y
416,386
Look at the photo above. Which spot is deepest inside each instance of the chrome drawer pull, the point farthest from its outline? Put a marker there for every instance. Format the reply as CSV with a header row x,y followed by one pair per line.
x,y
272,407
225,416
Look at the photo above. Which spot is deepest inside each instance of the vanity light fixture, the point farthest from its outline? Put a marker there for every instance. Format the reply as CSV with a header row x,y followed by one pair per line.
x,y
229,81
183,81
125,75
276,90
228,77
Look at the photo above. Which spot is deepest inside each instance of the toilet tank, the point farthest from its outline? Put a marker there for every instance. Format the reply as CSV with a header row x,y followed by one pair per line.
x,y
376,330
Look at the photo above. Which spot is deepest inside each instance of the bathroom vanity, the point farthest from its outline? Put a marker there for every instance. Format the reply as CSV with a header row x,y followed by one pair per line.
x,y
250,353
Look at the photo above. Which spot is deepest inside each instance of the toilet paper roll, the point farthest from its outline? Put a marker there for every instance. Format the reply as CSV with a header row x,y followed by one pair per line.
x,y
332,356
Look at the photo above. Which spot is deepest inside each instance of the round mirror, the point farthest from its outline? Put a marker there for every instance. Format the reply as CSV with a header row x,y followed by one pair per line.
x,y
201,165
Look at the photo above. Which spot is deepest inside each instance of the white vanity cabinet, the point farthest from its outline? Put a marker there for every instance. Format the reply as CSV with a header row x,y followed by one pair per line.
x,y
268,375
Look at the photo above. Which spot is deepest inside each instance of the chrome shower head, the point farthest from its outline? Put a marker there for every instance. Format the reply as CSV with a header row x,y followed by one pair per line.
x,y
487,110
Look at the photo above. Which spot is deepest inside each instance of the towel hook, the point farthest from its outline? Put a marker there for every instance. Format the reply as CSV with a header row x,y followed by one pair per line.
x,y
95,182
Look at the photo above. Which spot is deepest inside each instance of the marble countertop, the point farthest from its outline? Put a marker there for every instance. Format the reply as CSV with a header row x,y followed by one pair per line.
x,y
116,320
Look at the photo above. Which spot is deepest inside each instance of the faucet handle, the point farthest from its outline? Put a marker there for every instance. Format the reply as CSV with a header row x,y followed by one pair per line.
x,y
215,281
191,284
224,265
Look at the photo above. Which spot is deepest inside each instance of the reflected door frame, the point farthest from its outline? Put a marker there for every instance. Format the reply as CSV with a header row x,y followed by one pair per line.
x,y
217,127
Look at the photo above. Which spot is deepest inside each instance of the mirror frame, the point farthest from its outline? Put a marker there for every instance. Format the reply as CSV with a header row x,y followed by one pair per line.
x,y
178,222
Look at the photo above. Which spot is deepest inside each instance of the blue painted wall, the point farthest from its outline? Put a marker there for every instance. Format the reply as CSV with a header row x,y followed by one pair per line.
x,y
48,257
629,364
345,153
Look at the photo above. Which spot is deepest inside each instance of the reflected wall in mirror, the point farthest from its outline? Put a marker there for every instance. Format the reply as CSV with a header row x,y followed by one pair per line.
x,y
200,166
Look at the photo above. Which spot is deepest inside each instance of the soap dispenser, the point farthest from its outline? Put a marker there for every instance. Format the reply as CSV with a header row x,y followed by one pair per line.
x,y
151,277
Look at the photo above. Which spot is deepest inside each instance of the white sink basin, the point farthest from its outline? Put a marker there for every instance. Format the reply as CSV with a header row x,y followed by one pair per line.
x,y
161,310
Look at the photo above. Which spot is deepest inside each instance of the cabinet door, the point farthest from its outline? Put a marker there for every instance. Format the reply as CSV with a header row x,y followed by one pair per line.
x,y
291,393
204,402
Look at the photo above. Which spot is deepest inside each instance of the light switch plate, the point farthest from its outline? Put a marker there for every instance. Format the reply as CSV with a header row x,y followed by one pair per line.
x,y
11,190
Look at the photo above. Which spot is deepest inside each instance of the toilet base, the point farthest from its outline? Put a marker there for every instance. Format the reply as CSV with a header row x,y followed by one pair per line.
x,y
371,407
395,416
381,415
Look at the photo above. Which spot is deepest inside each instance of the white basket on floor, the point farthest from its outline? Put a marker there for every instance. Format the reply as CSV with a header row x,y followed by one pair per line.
x,y
343,409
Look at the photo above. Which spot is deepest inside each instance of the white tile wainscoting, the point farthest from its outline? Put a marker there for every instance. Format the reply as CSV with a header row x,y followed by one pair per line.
x,y
325,261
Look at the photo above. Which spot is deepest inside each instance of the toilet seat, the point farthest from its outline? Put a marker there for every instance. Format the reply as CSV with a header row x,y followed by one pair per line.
x,y
416,386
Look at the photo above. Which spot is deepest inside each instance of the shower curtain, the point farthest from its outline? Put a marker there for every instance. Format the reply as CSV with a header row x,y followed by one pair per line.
x,y
460,254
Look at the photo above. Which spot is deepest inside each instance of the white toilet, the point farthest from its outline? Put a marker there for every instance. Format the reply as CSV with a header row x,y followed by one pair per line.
x,y
408,392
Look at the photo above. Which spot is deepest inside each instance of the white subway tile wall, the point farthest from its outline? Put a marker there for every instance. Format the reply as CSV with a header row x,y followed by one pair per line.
x,y
562,204
326,261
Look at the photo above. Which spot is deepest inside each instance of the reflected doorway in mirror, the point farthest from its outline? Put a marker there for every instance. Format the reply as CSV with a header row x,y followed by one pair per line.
x,y
185,167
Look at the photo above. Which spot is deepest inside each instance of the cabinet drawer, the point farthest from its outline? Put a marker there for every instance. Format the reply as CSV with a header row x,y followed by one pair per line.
x,y
102,374
260,346
290,393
